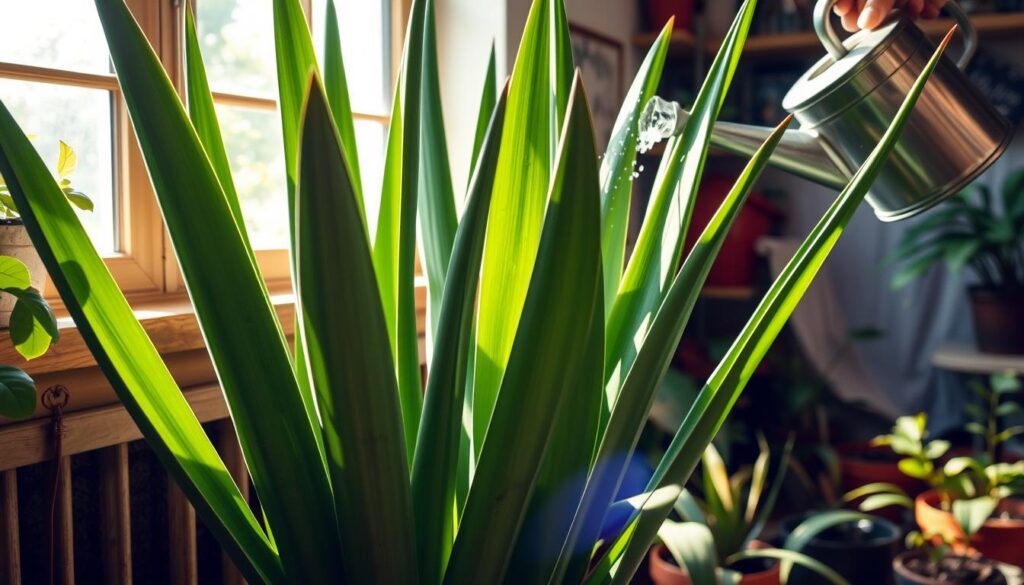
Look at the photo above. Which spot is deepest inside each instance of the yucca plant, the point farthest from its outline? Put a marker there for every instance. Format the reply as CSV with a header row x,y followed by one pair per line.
x,y
547,346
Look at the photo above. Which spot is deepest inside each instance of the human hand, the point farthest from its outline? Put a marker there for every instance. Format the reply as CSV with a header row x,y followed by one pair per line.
x,y
861,14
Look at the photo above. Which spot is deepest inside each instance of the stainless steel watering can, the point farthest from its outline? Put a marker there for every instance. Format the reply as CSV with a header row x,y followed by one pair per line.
x,y
845,102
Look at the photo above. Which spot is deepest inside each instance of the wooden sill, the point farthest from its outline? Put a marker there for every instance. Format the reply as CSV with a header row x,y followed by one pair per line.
x,y
171,324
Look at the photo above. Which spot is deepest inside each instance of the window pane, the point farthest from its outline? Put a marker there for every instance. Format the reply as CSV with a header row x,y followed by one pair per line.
x,y
237,38
365,45
60,34
253,140
371,138
82,119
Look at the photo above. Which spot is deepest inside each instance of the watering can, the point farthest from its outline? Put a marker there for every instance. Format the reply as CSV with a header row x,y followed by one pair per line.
x,y
847,100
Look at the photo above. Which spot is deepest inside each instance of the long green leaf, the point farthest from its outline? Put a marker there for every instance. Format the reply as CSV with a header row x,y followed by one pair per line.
x,y
727,382
238,322
618,164
660,243
514,227
395,244
640,387
203,114
809,529
792,557
488,101
437,447
437,217
346,341
549,349
128,358
336,84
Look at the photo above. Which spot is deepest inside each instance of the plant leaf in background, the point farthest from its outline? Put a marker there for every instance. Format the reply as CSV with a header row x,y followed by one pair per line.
x,y
255,370
17,393
693,548
546,358
727,382
620,160
33,325
128,358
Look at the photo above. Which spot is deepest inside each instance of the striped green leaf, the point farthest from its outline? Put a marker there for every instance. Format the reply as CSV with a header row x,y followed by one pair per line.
x,y
336,84
488,101
617,166
128,358
437,448
728,381
544,365
660,243
345,338
255,368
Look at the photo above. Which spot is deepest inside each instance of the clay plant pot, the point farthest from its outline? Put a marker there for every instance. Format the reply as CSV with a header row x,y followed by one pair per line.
x,y
659,11
861,552
664,571
998,319
907,571
736,262
15,242
861,464
998,539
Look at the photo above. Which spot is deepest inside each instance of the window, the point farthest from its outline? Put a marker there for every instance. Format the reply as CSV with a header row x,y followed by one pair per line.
x,y
57,79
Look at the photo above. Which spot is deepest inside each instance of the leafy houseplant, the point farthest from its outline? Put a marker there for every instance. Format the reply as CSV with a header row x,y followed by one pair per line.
x,y
547,342
930,561
722,528
986,235
973,500
33,329
14,239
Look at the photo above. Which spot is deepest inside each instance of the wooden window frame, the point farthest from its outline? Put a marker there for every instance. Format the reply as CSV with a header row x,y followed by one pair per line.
x,y
144,267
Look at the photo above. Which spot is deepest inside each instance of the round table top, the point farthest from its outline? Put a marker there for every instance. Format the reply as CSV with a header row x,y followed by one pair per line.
x,y
968,360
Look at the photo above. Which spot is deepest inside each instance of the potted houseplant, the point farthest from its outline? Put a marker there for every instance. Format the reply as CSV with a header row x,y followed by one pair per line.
x,y
362,476
856,546
722,527
14,239
930,561
966,490
986,235
33,330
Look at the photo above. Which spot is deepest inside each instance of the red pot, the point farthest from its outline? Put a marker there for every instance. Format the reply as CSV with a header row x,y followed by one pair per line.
x,y
659,11
1001,540
734,267
665,572
857,469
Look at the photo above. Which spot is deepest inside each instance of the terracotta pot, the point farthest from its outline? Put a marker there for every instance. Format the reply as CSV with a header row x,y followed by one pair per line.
x,y
659,11
14,242
904,576
1001,540
665,572
734,267
858,468
998,319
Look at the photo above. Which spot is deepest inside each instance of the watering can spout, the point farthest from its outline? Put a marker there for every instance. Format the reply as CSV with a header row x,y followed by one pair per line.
x,y
799,152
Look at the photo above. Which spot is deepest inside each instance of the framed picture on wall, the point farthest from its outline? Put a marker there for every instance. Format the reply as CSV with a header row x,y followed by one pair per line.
x,y
601,60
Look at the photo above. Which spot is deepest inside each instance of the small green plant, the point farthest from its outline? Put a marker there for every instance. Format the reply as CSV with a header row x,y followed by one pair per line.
x,y
33,330
67,164
717,530
970,230
998,402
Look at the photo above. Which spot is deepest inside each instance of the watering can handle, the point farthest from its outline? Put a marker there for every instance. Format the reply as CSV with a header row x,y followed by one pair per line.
x,y
834,45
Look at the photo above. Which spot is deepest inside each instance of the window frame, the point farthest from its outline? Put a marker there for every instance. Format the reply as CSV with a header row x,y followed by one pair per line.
x,y
145,267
